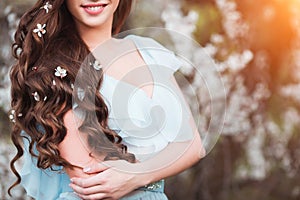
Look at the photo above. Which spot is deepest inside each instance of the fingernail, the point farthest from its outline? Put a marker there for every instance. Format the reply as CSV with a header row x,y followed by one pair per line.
x,y
72,180
86,169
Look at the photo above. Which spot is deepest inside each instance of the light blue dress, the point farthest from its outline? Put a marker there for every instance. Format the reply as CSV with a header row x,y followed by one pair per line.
x,y
143,114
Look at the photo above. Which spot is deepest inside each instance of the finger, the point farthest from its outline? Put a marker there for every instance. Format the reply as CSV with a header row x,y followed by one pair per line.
x,y
117,164
89,190
95,180
96,168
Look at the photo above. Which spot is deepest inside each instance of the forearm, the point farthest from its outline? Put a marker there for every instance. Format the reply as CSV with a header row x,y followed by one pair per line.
x,y
169,162
176,157
74,148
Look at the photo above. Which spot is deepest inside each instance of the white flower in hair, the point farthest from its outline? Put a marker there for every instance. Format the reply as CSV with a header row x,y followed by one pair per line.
x,y
47,6
12,116
36,96
40,29
97,65
60,72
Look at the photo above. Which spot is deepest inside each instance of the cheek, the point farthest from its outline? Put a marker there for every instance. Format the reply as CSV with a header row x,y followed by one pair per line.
x,y
116,4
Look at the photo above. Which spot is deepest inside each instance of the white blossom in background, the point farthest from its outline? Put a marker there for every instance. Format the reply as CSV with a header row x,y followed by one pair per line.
x,y
238,108
5,89
207,95
185,25
291,115
291,91
242,117
279,137
232,19
236,61
254,151
217,38
5,92
175,20
241,106
236,121
5,51
13,22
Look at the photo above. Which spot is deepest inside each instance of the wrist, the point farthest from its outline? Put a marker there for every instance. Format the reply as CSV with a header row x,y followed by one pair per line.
x,y
143,176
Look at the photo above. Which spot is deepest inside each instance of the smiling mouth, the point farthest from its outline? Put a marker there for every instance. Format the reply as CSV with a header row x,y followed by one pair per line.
x,y
94,7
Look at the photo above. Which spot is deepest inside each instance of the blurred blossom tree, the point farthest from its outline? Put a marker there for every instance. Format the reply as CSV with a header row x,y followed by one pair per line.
x,y
257,53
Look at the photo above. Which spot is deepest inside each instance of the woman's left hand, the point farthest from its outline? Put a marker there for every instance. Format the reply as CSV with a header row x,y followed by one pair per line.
x,y
111,181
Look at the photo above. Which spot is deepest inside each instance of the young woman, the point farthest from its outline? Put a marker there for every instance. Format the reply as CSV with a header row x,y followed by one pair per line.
x,y
69,99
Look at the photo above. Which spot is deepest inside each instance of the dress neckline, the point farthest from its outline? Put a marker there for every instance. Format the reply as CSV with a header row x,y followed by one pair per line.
x,y
136,88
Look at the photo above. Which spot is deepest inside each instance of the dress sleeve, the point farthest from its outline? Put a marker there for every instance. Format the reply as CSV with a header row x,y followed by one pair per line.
x,y
155,53
42,184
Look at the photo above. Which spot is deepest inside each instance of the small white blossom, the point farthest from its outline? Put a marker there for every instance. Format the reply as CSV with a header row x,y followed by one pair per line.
x,y
47,7
40,29
97,65
12,116
60,72
36,96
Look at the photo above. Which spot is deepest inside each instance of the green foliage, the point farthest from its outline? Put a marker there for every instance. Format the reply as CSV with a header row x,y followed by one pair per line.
x,y
209,21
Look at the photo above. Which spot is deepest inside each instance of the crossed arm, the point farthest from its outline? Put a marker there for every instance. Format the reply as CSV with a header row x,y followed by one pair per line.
x,y
115,179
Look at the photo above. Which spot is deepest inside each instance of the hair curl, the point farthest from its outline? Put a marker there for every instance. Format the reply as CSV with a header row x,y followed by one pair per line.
x,y
37,57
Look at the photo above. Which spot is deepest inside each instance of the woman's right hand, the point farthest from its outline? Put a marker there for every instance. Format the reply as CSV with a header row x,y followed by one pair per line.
x,y
108,181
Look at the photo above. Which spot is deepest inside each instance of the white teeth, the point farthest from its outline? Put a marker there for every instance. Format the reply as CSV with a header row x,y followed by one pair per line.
x,y
95,8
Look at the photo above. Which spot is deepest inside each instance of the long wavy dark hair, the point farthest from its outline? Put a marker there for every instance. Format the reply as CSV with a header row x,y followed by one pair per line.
x,y
40,99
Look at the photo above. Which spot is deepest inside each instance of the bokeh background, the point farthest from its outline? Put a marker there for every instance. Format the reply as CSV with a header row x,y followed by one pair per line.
x,y
256,47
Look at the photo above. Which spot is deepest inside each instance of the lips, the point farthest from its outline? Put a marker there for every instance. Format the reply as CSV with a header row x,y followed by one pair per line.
x,y
94,9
